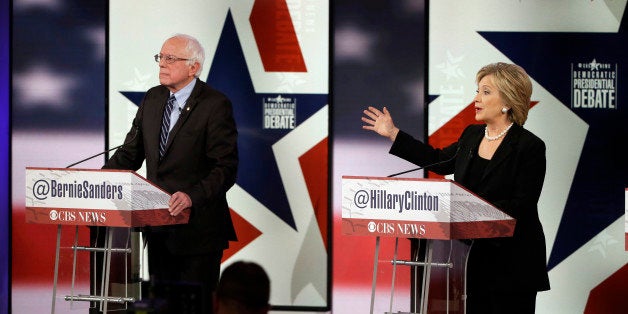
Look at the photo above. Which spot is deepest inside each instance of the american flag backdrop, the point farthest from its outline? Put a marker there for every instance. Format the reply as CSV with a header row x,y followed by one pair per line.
x,y
57,118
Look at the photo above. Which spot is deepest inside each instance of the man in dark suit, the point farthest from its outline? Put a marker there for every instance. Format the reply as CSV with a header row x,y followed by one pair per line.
x,y
185,132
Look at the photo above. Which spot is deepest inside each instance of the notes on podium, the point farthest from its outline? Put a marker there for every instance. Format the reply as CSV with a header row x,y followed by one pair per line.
x,y
96,197
418,208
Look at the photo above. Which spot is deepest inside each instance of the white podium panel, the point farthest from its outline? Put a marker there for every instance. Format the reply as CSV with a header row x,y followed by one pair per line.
x,y
95,197
418,208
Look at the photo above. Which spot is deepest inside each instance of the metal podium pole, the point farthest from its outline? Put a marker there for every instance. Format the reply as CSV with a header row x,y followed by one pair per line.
x,y
392,286
56,274
375,261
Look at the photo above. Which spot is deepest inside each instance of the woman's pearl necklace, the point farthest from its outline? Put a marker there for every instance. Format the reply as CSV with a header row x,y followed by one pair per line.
x,y
498,136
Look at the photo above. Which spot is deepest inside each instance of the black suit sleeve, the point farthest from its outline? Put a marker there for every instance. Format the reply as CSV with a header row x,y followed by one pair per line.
x,y
221,152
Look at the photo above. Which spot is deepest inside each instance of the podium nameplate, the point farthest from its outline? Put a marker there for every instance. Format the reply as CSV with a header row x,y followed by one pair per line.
x,y
418,208
114,198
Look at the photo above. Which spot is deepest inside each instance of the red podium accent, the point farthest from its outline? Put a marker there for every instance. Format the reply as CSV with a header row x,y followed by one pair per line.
x,y
96,197
439,211
418,208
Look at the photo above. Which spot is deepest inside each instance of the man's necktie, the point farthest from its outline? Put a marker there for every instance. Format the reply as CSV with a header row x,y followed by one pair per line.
x,y
165,125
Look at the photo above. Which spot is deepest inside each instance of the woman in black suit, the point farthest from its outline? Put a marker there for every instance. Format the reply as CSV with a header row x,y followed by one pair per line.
x,y
504,164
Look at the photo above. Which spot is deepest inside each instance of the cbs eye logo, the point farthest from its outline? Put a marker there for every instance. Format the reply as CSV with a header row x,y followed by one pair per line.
x,y
54,215
372,226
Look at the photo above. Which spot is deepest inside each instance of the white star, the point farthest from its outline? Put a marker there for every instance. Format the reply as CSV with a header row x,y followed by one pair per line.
x,y
302,249
139,82
451,68
602,243
594,65
40,86
288,81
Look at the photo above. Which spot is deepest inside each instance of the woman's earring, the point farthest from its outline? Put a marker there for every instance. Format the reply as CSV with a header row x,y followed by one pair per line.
x,y
504,110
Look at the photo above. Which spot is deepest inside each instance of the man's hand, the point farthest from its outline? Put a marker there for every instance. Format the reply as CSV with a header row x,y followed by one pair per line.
x,y
178,202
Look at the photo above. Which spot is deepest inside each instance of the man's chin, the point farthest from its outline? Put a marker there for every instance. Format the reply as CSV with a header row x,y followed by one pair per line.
x,y
165,83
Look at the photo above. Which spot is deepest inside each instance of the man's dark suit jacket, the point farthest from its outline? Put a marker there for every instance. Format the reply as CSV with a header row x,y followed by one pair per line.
x,y
201,159
512,181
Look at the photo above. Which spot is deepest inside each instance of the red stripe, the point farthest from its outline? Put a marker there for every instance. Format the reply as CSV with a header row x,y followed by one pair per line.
x,y
275,37
428,230
109,218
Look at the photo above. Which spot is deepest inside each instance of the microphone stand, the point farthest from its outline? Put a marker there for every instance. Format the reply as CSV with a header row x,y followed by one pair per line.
x,y
135,127
427,166
94,156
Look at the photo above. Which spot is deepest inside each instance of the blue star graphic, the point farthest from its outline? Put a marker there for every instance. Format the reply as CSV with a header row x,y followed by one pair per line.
x,y
258,173
596,198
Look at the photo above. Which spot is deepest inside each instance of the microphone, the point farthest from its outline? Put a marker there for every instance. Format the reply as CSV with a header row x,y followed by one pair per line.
x,y
135,128
428,166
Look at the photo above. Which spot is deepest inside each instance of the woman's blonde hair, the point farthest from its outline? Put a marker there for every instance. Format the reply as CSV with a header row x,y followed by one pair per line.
x,y
514,87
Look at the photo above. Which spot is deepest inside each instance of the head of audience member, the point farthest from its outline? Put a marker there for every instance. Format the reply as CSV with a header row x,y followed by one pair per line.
x,y
243,288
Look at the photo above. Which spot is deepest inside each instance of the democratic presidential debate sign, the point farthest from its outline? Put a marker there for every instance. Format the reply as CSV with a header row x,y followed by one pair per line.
x,y
418,208
115,198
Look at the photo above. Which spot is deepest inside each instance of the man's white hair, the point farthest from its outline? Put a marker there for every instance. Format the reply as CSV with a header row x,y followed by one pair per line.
x,y
195,50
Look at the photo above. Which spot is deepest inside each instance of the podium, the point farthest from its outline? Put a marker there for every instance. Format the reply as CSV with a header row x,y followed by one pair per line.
x,y
113,199
436,211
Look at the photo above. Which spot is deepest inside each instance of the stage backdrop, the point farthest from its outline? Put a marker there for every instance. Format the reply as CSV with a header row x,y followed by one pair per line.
x,y
55,123
573,51
271,59
4,156
379,50
57,118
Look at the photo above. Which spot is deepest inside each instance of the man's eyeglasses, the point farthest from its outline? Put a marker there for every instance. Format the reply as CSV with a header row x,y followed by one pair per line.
x,y
168,58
